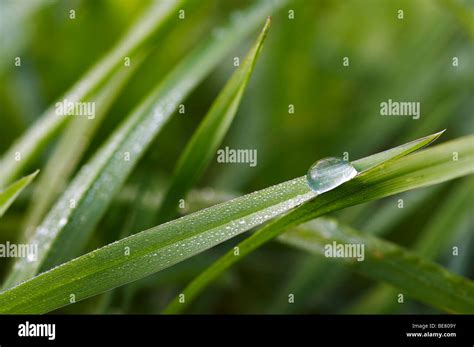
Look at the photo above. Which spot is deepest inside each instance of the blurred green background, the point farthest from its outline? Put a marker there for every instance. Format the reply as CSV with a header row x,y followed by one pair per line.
x,y
336,110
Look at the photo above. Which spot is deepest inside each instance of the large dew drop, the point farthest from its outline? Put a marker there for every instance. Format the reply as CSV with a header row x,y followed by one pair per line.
x,y
329,173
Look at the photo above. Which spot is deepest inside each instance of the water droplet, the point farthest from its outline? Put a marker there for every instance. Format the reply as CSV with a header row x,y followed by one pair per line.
x,y
62,222
31,257
41,231
329,173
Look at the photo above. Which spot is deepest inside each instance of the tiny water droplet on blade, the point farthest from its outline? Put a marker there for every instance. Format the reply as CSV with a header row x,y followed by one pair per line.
x,y
329,173
62,222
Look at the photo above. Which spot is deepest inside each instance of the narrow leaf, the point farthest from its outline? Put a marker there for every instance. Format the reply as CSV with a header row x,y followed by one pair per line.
x,y
395,153
11,192
439,231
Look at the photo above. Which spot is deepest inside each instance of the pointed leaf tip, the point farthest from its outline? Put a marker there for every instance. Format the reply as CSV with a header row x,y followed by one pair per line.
x,y
10,193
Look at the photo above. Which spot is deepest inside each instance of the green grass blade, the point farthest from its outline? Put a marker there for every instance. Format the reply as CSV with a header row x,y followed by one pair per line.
x,y
37,136
68,225
420,169
160,247
9,195
395,153
212,129
384,261
428,244
71,146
